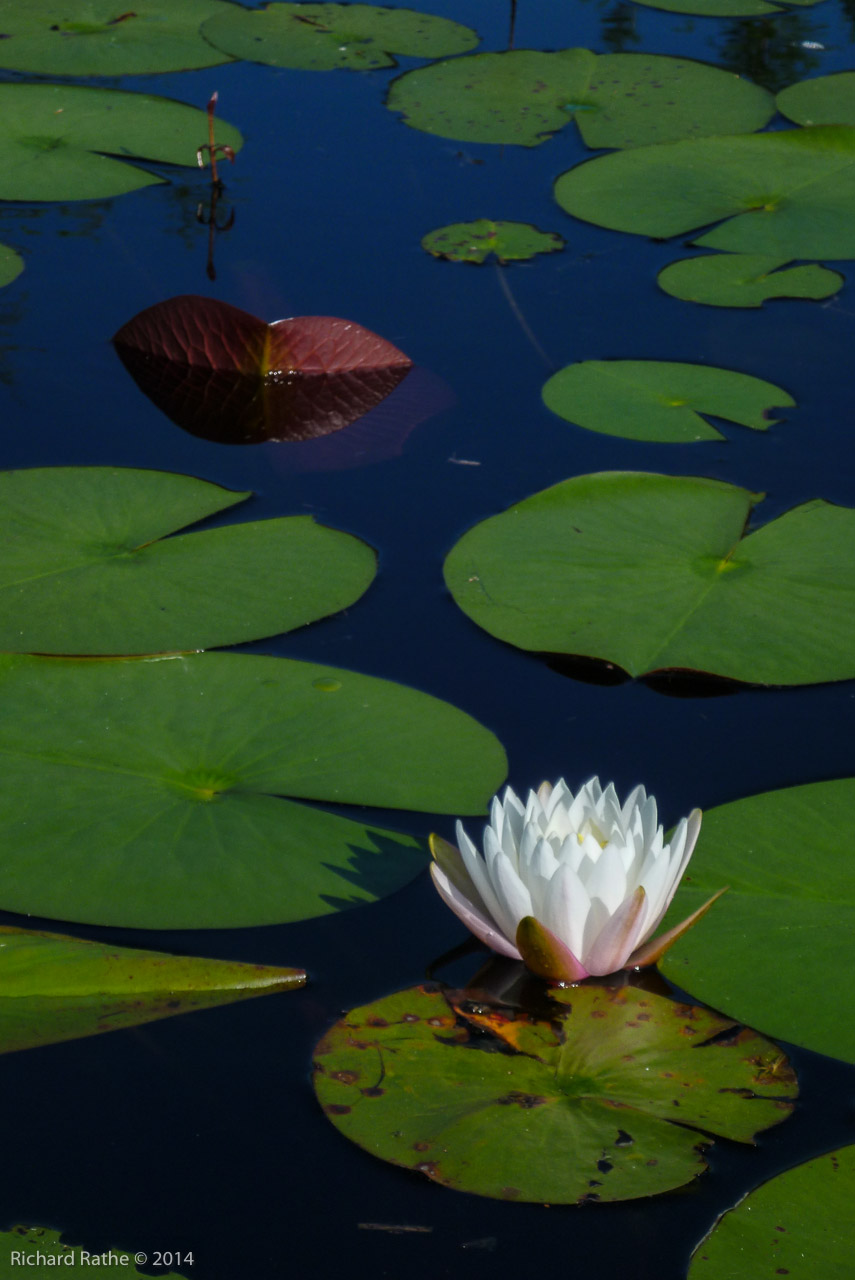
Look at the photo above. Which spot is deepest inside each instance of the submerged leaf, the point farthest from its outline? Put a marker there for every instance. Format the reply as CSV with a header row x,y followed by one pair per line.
x,y
475,241
11,265
745,279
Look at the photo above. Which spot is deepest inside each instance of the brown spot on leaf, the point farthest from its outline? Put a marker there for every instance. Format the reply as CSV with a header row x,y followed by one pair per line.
x,y
376,1022
421,1146
337,1109
524,1100
428,1167
373,1091
345,1077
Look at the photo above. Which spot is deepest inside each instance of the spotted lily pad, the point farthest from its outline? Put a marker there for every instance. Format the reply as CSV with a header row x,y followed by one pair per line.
x,y
40,1254
616,99
745,280
787,194
62,142
56,988
476,241
823,100
655,572
321,37
655,400
168,793
573,1103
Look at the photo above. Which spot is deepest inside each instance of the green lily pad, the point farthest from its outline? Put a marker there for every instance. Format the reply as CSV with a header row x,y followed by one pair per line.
x,y
745,280
616,99
38,1253
150,793
87,567
723,8
11,265
61,142
321,37
780,938
653,400
823,100
788,194
656,572
55,988
106,37
564,1108
798,1225
475,241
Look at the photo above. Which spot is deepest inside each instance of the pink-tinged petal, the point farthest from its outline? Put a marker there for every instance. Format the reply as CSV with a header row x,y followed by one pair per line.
x,y
616,940
693,827
655,949
546,955
485,930
450,860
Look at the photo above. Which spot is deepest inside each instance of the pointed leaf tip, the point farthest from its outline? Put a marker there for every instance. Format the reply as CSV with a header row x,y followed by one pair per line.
x,y
545,954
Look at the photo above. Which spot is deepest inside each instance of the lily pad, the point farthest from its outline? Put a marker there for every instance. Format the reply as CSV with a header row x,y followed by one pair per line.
x,y
723,8
11,265
88,567
788,194
61,142
617,99
476,241
823,100
105,37
778,951
573,1103
150,793
798,1225
745,280
653,400
321,37
44,1253
656,572
55,988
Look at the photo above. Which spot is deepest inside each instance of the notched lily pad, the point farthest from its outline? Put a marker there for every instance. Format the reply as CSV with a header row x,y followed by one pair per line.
x,y
745,280
321,37
56,988
572,1103
655,572
658,400
61,1259
476,241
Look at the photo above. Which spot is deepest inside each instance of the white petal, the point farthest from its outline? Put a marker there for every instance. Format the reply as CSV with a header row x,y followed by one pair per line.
x,y
477,869
607,880
478,924
514,897
566,908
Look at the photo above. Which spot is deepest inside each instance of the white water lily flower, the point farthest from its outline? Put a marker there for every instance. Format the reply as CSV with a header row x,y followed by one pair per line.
x,y
574,885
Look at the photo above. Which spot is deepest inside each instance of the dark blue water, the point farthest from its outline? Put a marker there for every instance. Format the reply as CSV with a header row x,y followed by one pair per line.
x,y
201,1134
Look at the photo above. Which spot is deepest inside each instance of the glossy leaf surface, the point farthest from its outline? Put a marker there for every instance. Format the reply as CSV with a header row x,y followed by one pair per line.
x,y
779,949
798,1225
225,375
477,241
61,1259
745,280
57,988
105,37
166,793
788,194
655,572
88,567
321,37
11,265
616,99
573,1104
657,400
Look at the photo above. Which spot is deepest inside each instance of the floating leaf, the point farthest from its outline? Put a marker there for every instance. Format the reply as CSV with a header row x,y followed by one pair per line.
x,y
798,1225
148,793
787,194
780,942
655,572
88,568
321,37
616,99
56,988
11,265
655,400
225,375
101,38
51,134
35,1242
823,100
572,1104
745,280
475,241
723,8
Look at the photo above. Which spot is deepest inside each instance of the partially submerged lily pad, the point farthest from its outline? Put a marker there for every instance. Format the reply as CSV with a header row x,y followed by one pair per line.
x,y
617,99
168,793
63,1259
56,988
745,279
775,952
822,100
61,142
788,194
476,241
11,265
655,572
573,1103
658,400
321,37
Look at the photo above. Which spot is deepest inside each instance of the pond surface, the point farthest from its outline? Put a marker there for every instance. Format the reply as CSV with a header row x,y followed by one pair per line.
x,y
202,1134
